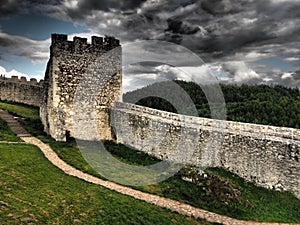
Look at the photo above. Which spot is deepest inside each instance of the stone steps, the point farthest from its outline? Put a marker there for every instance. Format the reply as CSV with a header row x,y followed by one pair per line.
x,y
14,125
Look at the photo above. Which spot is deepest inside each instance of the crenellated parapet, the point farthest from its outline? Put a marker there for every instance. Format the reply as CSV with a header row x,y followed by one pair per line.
x,y
21,80
21,90
81,46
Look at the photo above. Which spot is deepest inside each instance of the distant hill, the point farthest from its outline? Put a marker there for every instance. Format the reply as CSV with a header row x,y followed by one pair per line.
x,y
260,104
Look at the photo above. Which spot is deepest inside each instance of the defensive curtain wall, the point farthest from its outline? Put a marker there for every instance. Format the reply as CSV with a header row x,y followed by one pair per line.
x,y
266,155
21,90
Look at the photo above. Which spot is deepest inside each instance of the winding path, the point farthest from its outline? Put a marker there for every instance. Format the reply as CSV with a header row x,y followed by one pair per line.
x,y
170,204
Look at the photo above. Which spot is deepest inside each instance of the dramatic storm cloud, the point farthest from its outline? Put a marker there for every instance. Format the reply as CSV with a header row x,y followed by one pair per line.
x,y
9,8
36,51
80,8
245,41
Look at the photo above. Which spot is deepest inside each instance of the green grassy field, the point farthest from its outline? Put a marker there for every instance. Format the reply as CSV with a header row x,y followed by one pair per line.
x,y
33,191
221,192
22,110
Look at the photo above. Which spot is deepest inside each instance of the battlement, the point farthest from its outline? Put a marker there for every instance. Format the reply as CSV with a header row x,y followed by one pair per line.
x,y
22,80
81,45
59,38
21,90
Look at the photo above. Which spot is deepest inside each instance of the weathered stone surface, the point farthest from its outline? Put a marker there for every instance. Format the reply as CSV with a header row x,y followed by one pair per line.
x,y
77,64
266,155
21,90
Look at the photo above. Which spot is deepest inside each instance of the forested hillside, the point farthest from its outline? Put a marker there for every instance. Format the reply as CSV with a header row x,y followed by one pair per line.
x,y
260,104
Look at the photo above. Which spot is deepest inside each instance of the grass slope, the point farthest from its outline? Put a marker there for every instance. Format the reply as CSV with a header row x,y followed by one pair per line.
x,y
221,192
21,110
33,191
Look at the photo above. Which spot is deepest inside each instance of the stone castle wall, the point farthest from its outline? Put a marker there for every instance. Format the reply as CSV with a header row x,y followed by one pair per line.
x,y
75,63
266,155
20,90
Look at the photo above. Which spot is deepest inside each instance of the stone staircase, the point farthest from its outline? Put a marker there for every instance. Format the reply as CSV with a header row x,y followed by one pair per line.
x,y
13,123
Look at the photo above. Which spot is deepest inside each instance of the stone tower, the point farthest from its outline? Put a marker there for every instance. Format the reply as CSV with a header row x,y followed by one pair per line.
x,y
72,63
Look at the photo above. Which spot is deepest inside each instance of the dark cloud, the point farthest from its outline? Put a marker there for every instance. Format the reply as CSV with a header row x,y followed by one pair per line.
x,y
277,10
219,31
36,51
229,43
4,42
11,7
106,5
85,7
224,27
219,7
181,27
209,27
